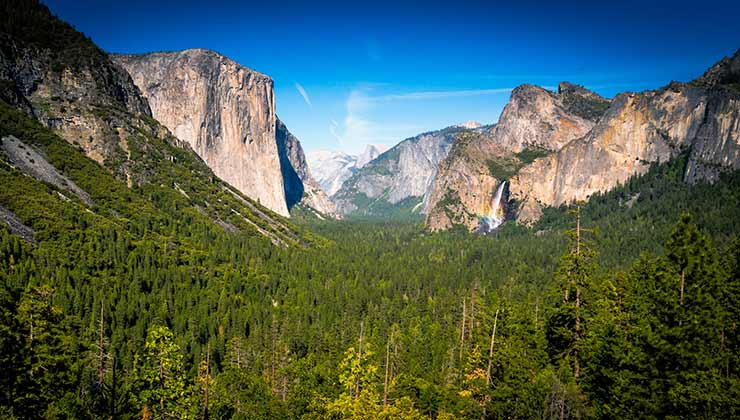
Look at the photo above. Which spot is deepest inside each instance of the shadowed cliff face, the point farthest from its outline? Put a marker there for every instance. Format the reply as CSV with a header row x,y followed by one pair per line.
x,y
226,112
300,186
640,129
535,123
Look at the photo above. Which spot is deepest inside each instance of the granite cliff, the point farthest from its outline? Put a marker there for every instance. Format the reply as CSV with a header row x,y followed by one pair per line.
x,y
331,168
74,121
225,111
534,123
398,179
700,118
300,186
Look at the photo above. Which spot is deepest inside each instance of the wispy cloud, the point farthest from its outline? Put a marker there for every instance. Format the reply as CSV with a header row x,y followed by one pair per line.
x,y
361,124
303,93
359,128
440,94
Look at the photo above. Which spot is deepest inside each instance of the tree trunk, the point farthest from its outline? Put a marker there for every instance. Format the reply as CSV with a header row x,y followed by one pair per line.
x,y
359,360
208,376
101,346
385,382
462,330
577,367
490,350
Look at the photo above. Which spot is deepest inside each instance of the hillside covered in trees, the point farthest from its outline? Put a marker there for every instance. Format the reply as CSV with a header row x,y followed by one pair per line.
x,y
140,286
170,316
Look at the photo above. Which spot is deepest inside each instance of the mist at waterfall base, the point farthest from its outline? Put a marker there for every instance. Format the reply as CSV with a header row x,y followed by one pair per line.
x,y
495,217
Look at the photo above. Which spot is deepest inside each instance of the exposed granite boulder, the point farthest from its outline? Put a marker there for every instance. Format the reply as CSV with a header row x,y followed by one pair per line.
x,y
225,111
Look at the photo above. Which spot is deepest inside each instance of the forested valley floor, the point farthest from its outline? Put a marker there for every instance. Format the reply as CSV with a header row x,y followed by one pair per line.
x,y
143,308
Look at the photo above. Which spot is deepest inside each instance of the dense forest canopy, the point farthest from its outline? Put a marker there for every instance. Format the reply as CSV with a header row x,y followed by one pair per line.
x,y
152,301
168,316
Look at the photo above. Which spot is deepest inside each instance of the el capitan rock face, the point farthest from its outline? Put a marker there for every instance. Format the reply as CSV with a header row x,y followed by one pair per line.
x,y
60,78
225,111
702,118
534,123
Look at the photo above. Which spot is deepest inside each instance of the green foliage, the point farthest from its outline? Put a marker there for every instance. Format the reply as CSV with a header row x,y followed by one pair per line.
x,y
159,378
528,156
588,107
503,169
67,46
381,210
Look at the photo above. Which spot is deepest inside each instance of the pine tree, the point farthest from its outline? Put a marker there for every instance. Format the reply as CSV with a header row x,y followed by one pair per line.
x,y
162,388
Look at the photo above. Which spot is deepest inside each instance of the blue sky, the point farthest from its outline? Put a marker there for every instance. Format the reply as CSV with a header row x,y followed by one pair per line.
x,y
351,73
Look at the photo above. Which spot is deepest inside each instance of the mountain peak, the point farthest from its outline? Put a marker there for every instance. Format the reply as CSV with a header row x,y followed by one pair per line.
x,y
582,102
371,152
725,72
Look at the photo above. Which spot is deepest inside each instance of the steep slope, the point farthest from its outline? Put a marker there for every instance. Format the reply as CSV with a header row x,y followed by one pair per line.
x,y
640,129
225,111
56,75
400,177
331,168
534,123
300,187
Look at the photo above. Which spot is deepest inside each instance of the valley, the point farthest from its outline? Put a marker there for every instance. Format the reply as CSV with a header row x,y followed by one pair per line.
x,y
169,250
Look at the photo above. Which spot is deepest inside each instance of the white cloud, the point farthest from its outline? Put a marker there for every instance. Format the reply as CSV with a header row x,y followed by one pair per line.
x,y
303,93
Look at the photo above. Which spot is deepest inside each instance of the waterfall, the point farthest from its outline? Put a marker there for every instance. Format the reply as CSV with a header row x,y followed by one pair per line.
x,y
495,217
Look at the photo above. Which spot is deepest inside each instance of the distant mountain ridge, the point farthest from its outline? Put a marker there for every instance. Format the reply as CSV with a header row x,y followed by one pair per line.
x,y
332,167
400,178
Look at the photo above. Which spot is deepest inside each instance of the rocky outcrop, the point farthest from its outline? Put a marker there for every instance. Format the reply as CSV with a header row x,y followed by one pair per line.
x,y
331,168
69,85
702,118
225,111
57,76
300,187
534,123
401,176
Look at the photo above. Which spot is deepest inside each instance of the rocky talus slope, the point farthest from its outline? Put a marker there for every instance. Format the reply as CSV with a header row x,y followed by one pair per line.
x,y
225,111
400,176
534,123
701,118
